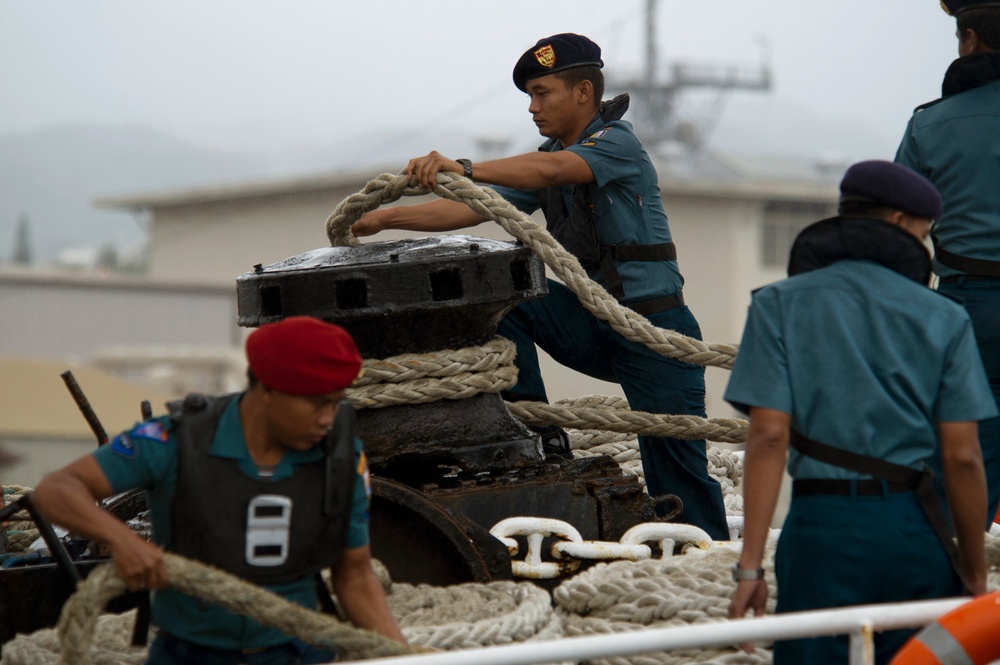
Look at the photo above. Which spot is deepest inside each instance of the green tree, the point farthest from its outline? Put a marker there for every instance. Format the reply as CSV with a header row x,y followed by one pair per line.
x,y
23,255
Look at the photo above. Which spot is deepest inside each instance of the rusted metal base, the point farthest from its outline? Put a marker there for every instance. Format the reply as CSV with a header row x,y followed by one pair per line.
x,y
412,442
592,494
421,541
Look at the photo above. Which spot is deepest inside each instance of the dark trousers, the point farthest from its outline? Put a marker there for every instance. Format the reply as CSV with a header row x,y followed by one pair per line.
x,y
169,650
981,300
836,551
574,337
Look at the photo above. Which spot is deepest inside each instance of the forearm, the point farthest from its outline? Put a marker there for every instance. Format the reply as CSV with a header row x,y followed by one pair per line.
x,y
65,500
763,466
362,599
441,215
965,484
537,170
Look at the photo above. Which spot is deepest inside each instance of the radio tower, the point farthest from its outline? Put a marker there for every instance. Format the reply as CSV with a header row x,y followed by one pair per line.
x,y
655,97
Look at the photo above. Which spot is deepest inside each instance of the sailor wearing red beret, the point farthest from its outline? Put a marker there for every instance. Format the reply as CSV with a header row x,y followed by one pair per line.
x,y
269,484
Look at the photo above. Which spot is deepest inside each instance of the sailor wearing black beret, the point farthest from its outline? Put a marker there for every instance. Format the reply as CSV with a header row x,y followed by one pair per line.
x,y
556,54
954,141
857,377
599,192
956,7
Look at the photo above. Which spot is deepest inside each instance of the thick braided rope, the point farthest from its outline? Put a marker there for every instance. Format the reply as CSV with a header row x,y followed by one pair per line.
x,y
682,590
613,414
112,644
80,613
470,615
487,203
418,378
22,531
723,464
498,352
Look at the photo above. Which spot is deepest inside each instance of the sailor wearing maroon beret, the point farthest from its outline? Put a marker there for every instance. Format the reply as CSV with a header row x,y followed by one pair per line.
x,y
955,142
269,484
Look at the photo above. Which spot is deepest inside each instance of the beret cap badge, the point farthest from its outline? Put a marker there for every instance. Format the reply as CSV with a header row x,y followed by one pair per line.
x,y
546,56
956,7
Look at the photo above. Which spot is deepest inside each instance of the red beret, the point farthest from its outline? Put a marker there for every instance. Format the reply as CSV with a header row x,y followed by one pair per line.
x,y
303,356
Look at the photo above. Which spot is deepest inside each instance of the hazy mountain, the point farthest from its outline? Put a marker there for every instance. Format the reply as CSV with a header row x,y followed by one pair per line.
x,y
51,176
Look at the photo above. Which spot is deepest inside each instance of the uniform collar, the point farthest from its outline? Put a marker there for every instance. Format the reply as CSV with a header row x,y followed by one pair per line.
x,y
969,72
228,442
848,238
610,110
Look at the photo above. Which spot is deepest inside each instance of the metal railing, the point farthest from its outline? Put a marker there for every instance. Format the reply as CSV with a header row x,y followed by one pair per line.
x,y
859,622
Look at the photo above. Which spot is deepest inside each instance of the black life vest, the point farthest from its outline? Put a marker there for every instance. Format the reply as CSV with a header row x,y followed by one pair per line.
x,y
576,228
267,532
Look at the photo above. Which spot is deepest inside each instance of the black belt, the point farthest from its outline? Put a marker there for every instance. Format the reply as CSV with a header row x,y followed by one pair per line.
x,y
921,482
835,487
951,279
647,307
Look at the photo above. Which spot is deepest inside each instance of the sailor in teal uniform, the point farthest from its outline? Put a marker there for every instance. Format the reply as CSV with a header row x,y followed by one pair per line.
x,y
146,457
273,514
598,190
955,142
856,363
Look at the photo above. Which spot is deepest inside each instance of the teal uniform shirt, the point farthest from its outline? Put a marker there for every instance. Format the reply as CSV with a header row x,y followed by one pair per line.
x,y
627,205
146,457
955,142
861,358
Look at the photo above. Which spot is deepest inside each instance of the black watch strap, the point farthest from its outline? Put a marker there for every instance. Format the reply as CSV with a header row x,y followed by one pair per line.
x,y
467,165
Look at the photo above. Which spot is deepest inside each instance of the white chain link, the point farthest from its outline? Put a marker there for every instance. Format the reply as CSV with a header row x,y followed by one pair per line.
x,y
569,549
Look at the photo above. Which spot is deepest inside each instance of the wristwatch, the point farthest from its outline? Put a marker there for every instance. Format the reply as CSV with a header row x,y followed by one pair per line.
x,y
467,165
743,575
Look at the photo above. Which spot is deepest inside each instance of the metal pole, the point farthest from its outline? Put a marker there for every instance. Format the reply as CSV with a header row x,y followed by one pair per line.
x,y
84,405
862,645
56,548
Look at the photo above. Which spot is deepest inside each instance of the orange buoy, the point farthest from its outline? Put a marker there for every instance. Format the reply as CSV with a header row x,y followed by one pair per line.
x,y
965,636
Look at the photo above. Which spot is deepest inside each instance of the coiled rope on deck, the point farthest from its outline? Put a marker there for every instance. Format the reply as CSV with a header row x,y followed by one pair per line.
x,y
485,202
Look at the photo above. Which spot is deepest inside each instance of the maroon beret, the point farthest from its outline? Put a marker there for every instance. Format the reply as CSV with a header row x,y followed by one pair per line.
x,y
887,184
303,356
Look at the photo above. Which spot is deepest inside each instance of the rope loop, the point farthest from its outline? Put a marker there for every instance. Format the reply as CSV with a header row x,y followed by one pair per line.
x,y
486,203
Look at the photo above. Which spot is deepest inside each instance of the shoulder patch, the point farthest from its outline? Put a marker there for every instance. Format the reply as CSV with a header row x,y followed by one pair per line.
x,y
122,445
588,143
150,430
363,472
598,134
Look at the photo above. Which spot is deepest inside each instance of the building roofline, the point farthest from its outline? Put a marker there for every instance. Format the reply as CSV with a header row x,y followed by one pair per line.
x,y
249,190
733,185
84,280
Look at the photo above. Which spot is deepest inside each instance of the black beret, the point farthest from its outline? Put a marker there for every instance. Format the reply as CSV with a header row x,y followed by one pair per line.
x,y
554,54
887,184
956,7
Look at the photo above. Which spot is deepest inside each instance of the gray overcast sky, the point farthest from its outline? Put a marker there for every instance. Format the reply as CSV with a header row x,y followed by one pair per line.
x,y
266,75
